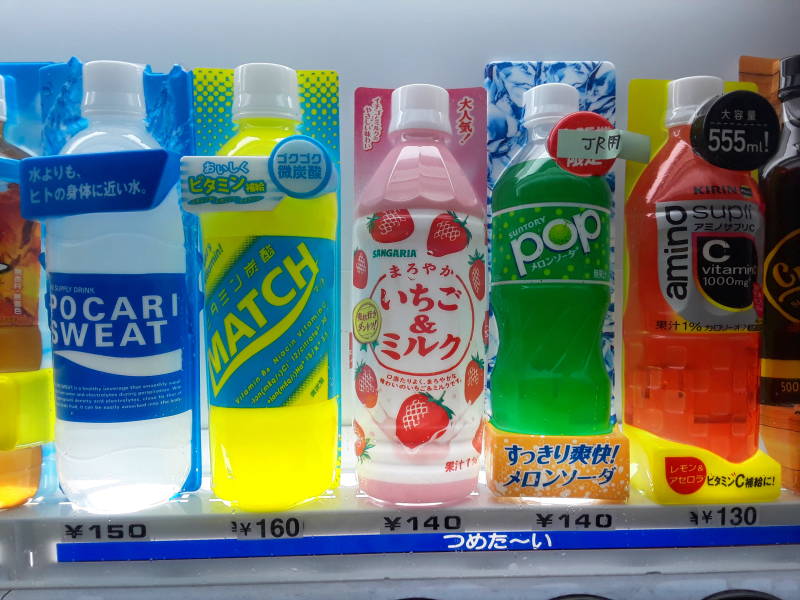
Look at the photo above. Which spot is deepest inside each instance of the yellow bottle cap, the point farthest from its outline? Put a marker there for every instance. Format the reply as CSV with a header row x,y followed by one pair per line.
x,y
27,409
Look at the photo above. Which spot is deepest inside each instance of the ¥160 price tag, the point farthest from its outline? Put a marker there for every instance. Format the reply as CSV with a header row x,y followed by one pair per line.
x,y
104,532
737,131
277,528
724,516
420,523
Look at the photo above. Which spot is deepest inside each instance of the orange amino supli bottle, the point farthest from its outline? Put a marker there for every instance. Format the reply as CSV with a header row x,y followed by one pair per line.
x,y
692,320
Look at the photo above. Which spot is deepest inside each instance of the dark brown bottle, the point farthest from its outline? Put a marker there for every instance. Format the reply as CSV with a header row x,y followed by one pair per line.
x,y
780,352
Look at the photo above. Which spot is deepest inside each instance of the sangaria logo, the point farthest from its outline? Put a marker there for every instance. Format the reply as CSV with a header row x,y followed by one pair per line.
x,y
245,329
394,253
782,277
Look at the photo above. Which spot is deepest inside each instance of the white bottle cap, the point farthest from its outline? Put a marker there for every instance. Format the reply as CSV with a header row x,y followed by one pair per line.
x,y
3,109
420,106
265,90
549,100
685,96
111,86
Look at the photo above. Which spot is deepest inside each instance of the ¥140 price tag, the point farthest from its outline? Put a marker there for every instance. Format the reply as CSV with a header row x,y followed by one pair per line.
x,y
725,516
576,520
104,532
278,528
420,523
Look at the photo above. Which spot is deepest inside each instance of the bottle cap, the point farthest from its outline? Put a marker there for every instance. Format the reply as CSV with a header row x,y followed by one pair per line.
x,y
686,95
420,106
3,109
265,90
790,78
549,100
113,87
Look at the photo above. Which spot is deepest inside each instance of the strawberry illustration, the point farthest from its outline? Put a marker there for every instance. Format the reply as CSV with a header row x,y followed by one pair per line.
x,y
477,275
485,331
422,418
363,443
389,226
360,269
448,234
473,380
366,385
477,439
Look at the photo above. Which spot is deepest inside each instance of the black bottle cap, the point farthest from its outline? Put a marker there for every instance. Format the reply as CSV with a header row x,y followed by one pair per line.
x,y
790,78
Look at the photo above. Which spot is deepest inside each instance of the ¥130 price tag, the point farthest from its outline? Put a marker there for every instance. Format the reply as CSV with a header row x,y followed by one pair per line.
x,y
104,532
259,529
404,523
724,516
737,131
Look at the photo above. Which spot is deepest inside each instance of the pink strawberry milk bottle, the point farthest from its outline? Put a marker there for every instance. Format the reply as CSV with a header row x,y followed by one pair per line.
x,y
419,302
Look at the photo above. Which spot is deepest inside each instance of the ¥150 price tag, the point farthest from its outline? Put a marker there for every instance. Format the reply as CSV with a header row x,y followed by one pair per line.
x,y
725,516
420,523
278,528
104,532
737,131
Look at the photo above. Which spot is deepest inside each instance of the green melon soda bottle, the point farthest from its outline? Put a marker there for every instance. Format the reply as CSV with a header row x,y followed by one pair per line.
x,y
550,285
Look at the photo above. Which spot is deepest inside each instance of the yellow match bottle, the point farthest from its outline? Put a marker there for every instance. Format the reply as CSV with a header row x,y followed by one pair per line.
x,y
269,281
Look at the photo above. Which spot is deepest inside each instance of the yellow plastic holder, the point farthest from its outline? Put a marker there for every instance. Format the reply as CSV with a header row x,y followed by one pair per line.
x,y
669,472
522,465
27,409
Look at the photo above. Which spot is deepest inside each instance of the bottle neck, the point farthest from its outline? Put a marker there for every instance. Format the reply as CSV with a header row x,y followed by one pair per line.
x,y
540,128
116,118
286,127
419,137
681,131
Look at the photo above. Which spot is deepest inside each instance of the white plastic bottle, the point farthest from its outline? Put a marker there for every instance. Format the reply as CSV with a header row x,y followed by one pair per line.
x,y
123,429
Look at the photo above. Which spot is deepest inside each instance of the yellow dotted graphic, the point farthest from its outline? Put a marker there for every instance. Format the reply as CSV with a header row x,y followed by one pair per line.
x,y
213,104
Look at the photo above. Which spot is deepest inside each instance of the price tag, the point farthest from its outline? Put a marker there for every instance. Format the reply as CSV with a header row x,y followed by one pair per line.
x,y
573,520
724,516
260,529
404,523
737,131
104,532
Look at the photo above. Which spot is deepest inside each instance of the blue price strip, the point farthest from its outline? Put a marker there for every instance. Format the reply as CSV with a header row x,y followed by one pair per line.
x,y
333,545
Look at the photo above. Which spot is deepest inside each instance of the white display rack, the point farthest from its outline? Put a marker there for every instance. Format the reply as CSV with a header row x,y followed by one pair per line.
x,y
343,541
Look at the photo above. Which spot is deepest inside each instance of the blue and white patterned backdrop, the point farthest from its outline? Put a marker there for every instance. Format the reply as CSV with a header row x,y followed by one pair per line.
x,y
505,83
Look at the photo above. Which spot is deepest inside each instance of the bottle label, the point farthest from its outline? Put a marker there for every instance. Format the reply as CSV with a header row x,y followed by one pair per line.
x,y
551,242
268,317
708,264
118,345
780,365
782,277
419,282
19,262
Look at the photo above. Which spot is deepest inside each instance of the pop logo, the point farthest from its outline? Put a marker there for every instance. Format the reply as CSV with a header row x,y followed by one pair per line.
x,y
559,235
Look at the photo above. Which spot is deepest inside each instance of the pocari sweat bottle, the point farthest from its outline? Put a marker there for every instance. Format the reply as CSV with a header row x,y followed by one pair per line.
x,y
117,301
